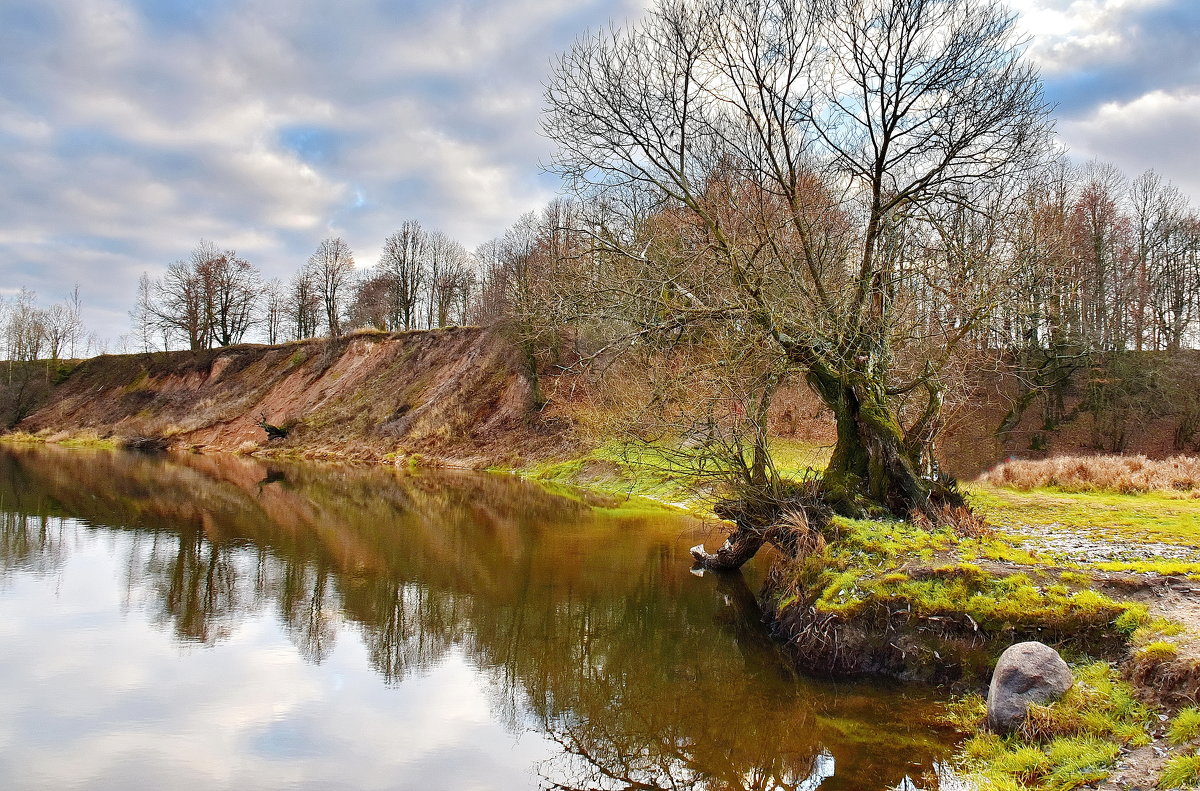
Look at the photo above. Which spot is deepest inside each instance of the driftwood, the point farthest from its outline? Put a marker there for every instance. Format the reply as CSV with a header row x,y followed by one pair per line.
x,y
146,444
273,432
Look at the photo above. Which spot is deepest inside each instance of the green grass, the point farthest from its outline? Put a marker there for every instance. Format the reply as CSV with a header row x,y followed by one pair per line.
x,y
1063,745
795,459
622,471
1185,727
873,568
1145,517
1157,651
1181,771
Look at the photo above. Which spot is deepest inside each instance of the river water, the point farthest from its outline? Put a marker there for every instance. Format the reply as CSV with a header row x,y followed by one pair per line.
x,y
204,622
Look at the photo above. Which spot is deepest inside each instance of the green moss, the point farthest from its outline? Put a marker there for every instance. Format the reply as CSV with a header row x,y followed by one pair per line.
x,y
1063,745
1155,628
1185,727
1181,771
1157,651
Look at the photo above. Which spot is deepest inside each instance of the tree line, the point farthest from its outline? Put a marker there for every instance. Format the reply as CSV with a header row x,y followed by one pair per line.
x,y
214,297
1099,261
30,332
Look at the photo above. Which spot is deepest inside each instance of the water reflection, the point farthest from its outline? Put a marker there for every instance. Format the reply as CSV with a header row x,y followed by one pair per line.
x,y
581,626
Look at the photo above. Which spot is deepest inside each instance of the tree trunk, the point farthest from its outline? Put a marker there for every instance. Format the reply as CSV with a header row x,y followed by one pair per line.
x,y
874,468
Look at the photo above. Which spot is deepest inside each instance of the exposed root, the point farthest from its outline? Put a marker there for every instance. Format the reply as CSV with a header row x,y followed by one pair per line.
x,y
793,524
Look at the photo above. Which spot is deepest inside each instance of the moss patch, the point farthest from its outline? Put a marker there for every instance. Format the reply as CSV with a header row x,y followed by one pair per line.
x,y
1155,517
1181,771
882,580
1063,745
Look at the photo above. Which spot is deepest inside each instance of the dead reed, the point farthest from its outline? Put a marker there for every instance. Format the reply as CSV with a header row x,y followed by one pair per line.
x,y
1113,473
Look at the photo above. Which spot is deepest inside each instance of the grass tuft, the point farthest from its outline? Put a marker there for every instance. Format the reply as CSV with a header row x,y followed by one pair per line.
x,y
1182,771
1064,745
1185,727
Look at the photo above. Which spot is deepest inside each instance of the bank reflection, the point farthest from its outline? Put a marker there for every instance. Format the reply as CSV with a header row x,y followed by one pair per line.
x,y
584,623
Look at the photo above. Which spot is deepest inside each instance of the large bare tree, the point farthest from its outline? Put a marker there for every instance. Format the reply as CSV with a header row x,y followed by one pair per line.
x,y
801,154
209,298
332,270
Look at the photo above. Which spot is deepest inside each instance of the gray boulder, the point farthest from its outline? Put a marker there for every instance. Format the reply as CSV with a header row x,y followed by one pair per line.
x,y
1026,673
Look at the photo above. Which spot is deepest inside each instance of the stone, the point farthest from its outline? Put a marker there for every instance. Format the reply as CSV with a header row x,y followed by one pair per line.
x,y
1025,673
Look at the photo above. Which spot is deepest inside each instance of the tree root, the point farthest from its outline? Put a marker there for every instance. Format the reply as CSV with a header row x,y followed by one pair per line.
x,y
741,545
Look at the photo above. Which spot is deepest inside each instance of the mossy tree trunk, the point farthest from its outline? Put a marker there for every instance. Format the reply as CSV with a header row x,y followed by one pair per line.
x,y
877,465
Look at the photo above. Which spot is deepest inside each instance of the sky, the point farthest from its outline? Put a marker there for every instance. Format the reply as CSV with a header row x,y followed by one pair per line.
x,y
132,129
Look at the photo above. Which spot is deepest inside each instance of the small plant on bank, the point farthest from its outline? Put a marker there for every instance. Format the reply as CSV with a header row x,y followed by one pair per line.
x,y
1157,651
1182,771
1061,746
1185,727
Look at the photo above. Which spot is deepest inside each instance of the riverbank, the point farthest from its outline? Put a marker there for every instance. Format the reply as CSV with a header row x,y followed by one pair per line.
x,y
1109,579
454,397
1114,593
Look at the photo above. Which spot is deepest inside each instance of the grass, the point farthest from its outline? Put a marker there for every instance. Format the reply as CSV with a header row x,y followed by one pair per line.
x,y
1185,727
83,439
1153,517
1181,771
22,437
1157,651
1063,745
871,570
622,471
1123,474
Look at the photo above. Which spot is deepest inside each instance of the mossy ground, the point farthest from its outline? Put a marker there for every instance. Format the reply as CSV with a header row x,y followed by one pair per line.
x,y
1152,517
1064,745
634,470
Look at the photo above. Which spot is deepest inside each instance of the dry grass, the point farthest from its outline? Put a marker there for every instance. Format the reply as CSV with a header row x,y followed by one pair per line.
x,y
1121,474
966,522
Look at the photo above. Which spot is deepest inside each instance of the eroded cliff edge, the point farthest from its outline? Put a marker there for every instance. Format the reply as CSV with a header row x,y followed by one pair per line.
x,y
457,396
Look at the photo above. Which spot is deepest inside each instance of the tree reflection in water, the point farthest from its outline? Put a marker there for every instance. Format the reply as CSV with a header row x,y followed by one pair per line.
x,y
585,623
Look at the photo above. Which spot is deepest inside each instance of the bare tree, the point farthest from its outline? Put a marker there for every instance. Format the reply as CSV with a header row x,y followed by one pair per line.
x,y
791,147
274,310
24,328
178,305
445,265
209,298
332,270
232,287
143,317
400,269
302,305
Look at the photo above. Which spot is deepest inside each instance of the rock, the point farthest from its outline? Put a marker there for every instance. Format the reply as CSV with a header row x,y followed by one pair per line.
x,y
1026,673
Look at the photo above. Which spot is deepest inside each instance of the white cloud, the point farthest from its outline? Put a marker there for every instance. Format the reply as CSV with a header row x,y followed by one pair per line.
x,y
129,129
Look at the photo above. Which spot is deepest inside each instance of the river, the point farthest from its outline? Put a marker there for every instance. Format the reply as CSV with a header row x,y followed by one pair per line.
x,y
218,622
